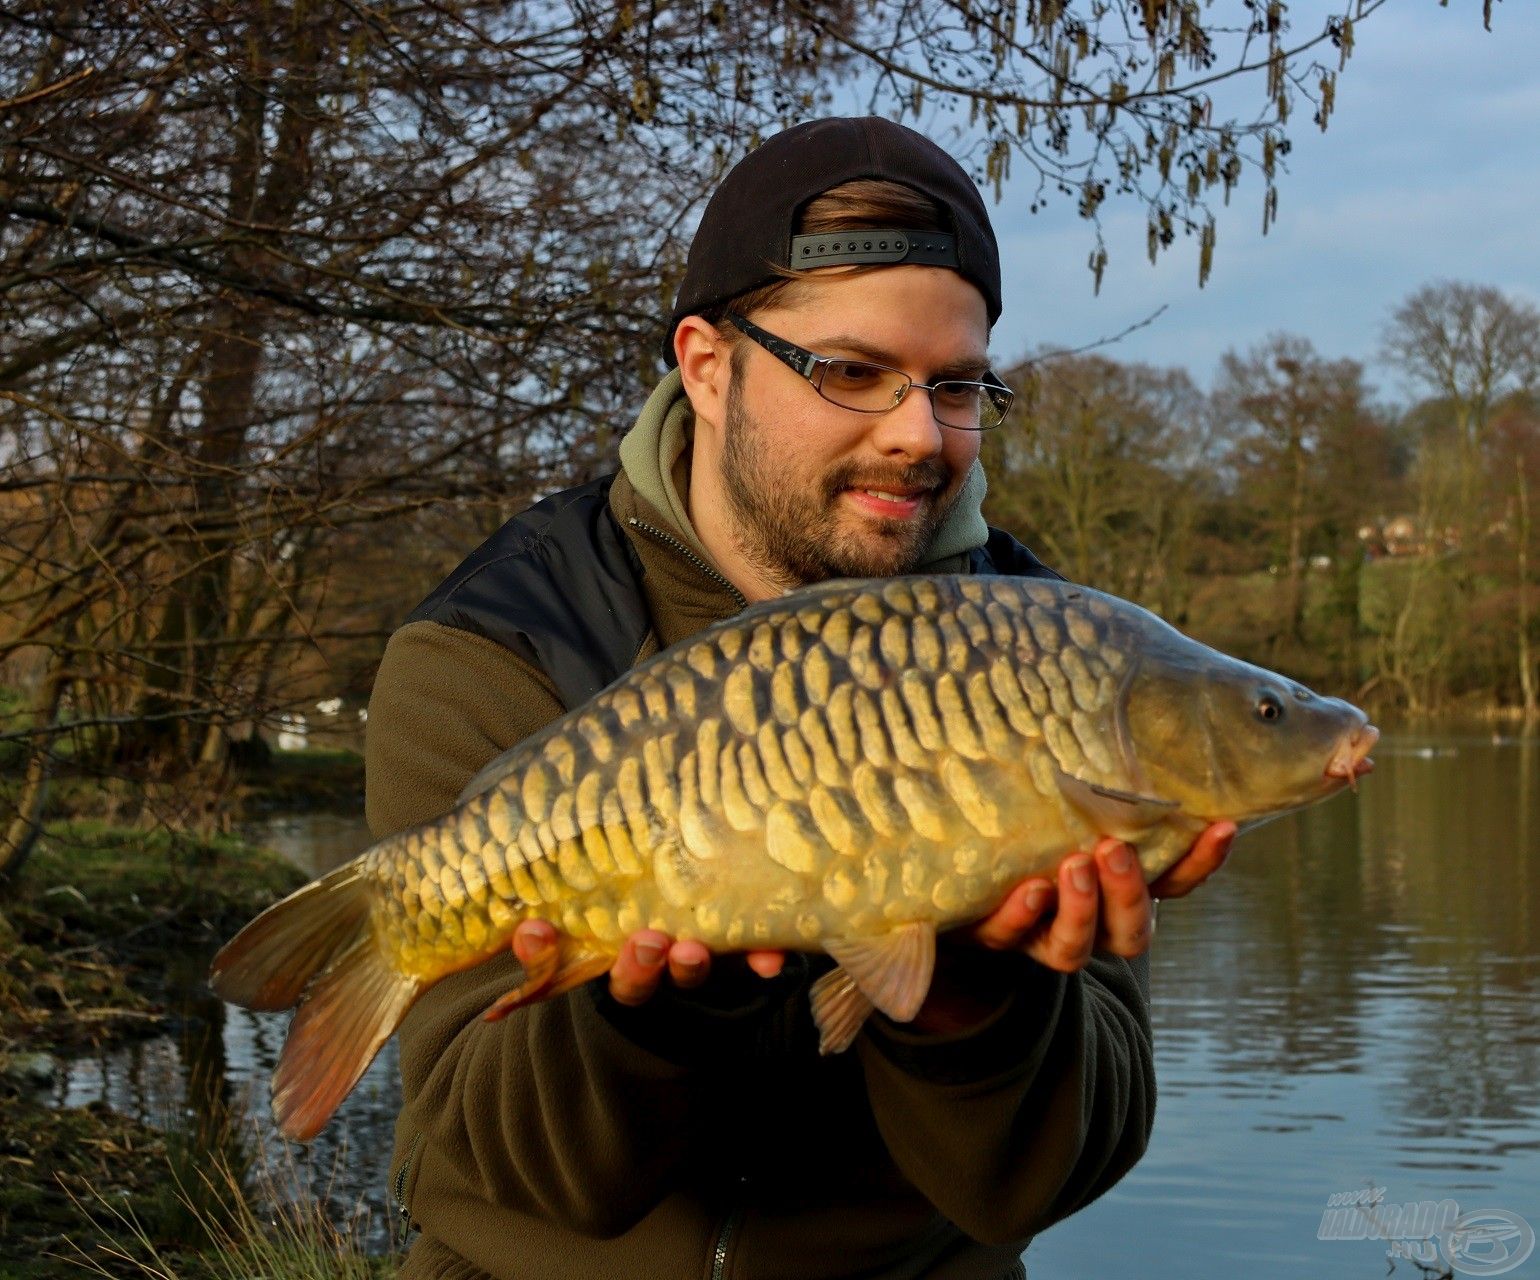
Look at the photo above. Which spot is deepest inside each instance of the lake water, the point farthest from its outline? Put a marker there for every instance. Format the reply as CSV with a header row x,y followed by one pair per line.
x,y
1351,1004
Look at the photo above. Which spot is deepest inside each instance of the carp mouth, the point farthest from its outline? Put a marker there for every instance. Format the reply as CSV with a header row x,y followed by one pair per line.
x,y
1350,761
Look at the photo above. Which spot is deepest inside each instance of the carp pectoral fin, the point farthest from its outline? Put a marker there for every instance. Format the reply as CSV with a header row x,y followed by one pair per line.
x,y
839,1010
558,971
1112,812
891,970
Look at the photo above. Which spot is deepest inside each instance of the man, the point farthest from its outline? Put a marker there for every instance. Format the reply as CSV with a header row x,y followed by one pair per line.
x,y
831,338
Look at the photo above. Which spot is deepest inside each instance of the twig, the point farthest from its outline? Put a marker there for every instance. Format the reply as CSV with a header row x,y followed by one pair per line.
x,y
58,86
1100,342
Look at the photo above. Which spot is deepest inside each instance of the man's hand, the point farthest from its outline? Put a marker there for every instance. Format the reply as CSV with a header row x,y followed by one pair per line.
x,y
1103,904
644,959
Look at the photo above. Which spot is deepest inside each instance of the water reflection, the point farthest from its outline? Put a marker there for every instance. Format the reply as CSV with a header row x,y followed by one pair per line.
x,y
1351,1002
209,1077
210,1080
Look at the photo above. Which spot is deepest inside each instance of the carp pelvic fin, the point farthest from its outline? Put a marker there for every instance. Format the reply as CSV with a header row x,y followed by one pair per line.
x,y
1112,812
839,1010
560,970
890,972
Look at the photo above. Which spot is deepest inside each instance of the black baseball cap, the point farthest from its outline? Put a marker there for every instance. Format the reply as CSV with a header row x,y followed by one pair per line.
x,y
747,229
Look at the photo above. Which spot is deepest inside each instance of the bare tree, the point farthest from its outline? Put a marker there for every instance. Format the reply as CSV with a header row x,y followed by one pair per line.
x,y
1095,468
1112,99
1516,432
1289,410
1469,345
276,272
283,280
1422,625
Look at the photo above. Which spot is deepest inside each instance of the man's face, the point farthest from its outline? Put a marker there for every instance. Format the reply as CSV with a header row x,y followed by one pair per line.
x,y
818,491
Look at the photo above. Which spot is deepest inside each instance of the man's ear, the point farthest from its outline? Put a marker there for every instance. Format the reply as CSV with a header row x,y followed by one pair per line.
x,y
705,366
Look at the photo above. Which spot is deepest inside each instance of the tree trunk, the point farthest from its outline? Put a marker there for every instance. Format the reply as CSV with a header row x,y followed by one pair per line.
x,y
1526,659
22,831
1296,550
267,181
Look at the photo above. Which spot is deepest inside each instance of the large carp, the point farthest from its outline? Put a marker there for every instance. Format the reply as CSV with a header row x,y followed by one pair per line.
x,y
849,769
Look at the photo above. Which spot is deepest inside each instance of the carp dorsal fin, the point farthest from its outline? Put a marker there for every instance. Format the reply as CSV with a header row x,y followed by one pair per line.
x,y
1112,812
891,972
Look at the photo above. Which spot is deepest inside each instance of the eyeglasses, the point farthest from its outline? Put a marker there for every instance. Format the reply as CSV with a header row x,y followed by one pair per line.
x,y
875,388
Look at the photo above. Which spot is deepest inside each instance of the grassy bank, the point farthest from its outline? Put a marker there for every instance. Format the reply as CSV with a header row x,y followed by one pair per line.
x,y
85,931
252,784
86,1191
88,938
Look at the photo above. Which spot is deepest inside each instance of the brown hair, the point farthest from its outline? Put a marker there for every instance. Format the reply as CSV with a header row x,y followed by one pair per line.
x,y
859,205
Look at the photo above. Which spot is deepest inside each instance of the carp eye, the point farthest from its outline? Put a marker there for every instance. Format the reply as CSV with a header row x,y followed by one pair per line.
x,y
1269,708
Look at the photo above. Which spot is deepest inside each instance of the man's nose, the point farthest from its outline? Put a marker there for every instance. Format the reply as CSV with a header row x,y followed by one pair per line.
x,y
910,428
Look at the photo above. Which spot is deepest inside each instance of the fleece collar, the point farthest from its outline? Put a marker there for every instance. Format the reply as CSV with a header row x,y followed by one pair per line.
x,y
655,457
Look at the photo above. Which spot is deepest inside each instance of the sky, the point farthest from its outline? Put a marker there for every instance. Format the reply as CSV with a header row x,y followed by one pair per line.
x,y
1430,170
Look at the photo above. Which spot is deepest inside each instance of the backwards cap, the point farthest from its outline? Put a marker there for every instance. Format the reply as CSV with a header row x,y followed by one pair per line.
x,y
748,227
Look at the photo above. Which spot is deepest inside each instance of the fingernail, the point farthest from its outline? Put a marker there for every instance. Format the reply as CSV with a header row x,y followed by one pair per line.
x,y
1081,875
648,953
1036,897
691,968
1120,858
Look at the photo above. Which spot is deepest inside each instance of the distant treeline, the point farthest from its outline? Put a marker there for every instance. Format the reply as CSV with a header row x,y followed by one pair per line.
x,y
1378,552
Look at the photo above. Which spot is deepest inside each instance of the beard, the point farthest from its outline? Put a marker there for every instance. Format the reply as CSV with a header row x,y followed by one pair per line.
x,y
795,534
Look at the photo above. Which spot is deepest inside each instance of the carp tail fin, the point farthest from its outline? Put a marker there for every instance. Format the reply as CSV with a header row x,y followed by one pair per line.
x,y
317,949
344,1018
268,964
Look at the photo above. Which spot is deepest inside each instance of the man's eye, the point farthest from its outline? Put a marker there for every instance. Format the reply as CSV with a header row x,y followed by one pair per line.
x,y
961,394
852,373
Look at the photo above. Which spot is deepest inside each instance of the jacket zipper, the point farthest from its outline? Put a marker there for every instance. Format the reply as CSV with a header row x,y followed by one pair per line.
x,y
689,555
724,1244
402,1174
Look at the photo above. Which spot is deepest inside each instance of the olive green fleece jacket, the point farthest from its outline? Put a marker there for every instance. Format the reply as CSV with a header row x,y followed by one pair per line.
x,y
702,1135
